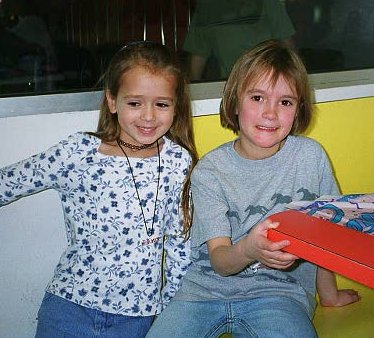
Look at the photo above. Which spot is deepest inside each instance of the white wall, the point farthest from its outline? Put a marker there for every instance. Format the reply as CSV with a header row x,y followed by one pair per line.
x,y
32,229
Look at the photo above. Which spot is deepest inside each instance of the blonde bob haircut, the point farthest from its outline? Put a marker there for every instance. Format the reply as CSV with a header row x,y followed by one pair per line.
x,y
270,58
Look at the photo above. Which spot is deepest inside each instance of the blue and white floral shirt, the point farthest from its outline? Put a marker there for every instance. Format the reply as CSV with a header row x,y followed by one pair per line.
x,y
110,263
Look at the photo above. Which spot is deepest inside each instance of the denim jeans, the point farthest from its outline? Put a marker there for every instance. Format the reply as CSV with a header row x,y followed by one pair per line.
x,y
267,317
60,318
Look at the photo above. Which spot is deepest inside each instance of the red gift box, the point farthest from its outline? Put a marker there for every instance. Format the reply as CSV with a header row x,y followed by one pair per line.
x,y
335,247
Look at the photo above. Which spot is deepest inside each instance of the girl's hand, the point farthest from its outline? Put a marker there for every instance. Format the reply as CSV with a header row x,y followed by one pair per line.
x,y
228,259
257,246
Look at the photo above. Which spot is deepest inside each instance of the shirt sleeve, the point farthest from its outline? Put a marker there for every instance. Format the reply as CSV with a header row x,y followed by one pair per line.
x,y
280,23
328,184
176,246
198,42
34,174
177,261
210,205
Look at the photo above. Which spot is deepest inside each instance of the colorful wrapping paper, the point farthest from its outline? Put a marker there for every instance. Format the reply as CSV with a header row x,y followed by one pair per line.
x,y
354,211
334,232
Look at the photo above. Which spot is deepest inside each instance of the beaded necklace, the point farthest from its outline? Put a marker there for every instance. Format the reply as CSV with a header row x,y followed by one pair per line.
x,y
133,147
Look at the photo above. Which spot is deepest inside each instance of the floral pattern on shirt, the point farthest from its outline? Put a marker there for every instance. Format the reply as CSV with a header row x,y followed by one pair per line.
x,y
110,263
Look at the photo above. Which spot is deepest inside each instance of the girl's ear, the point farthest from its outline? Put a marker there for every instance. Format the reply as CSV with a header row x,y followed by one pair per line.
x,y
111,101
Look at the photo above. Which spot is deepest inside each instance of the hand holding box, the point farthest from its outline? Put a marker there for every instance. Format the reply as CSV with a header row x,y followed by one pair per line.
x,y
334,232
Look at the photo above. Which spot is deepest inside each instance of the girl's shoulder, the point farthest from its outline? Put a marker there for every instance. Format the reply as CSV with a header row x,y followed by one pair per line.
x,y
77,143
219,152
222,156
174,150
81,139
304,142
305,148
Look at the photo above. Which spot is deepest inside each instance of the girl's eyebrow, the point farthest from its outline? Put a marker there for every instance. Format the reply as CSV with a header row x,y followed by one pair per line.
x,y
255,90
168,98
135,96
129,96
290,97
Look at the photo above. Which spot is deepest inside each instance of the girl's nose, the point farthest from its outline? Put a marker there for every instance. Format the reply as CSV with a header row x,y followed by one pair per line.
x,y
270,111
148,113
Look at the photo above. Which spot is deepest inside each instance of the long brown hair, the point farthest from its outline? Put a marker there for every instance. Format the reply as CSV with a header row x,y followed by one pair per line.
x,y
159,58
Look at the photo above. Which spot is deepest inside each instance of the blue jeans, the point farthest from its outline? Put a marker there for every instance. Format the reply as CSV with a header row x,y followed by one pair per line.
x,y
60,318
267,317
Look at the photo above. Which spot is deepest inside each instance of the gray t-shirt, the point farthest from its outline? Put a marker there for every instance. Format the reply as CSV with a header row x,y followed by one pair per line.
x,y
231,194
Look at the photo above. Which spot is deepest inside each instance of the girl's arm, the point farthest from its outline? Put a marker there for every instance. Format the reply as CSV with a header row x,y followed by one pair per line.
x,y
328,292
176,257
176,247
228,259
36,173
177,260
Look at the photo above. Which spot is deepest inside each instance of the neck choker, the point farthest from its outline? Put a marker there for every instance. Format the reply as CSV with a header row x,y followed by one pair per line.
x,y
150,231
133,147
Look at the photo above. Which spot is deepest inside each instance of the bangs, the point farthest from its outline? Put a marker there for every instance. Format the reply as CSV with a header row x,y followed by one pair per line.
x,y
266,73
